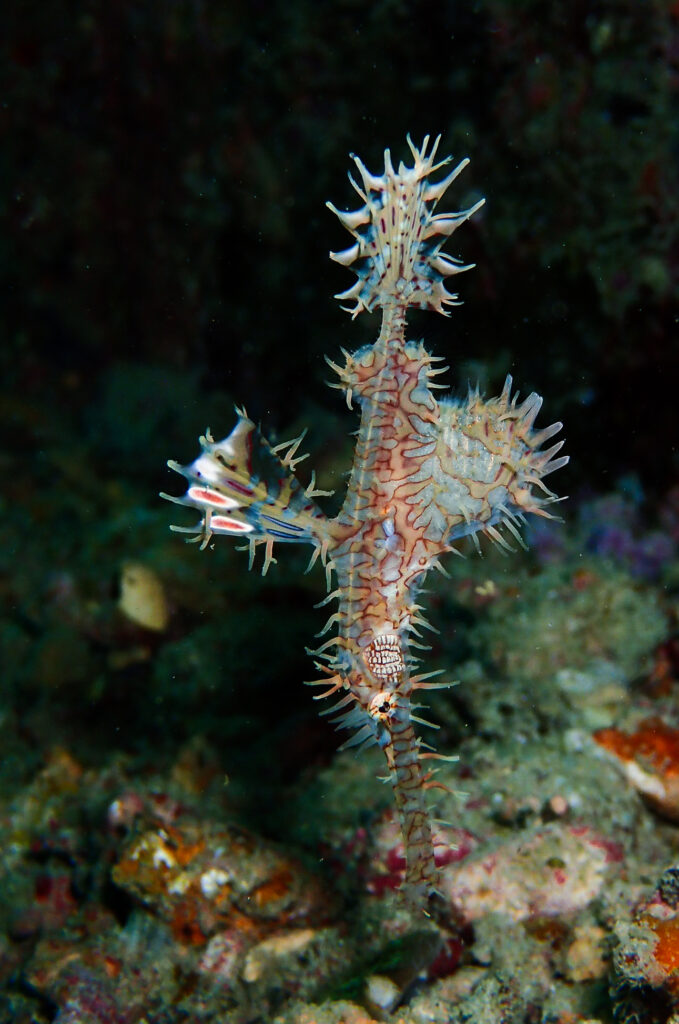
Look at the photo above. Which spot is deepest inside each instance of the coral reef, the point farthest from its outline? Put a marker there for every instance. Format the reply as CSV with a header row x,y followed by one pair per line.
x,y
164,167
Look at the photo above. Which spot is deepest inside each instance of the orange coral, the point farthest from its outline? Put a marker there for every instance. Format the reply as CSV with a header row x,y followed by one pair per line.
x,y
662,967
654,742
666,952
650,760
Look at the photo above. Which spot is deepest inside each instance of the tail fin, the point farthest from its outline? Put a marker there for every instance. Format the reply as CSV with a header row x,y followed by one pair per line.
x,y
398,258
242,487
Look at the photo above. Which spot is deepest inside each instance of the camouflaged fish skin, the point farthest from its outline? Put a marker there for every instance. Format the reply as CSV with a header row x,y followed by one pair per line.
x,y
426,474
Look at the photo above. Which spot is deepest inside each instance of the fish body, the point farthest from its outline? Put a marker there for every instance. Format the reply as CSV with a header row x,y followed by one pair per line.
x,y
425,474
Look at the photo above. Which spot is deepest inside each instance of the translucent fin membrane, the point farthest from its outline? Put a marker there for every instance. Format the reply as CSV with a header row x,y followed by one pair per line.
x,y
487,470
397,253
243,487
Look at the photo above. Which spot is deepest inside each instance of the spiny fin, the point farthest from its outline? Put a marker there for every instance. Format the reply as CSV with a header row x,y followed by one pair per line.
x,y
397,252
243,488
491,466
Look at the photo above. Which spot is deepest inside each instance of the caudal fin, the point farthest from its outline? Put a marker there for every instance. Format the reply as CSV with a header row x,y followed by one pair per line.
x,y
397,253
243,487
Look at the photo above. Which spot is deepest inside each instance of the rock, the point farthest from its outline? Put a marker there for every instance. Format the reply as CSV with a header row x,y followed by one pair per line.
x,y
142,597
586,956
550,871
205,878
271,952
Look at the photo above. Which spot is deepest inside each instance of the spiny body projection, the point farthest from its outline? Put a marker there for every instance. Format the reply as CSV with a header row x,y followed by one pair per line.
x,y
425,474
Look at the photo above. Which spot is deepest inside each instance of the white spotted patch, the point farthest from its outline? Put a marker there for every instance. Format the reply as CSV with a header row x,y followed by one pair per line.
x,y
384,657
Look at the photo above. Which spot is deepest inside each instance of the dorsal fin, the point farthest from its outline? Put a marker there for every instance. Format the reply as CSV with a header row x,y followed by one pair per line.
x,y
397,256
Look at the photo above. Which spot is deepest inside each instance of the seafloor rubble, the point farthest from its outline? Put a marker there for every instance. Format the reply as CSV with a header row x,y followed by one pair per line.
x,y
182,842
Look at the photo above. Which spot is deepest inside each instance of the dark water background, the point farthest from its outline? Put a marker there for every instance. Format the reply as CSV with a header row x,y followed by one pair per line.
x,y
165,168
